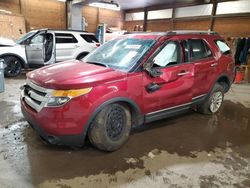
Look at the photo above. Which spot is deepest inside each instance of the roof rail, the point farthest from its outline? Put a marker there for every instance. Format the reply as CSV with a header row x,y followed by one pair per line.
x,y
73,30
200,32
61,30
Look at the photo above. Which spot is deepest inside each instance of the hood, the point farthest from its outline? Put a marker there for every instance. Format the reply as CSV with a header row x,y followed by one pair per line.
x,y
6,42
73,75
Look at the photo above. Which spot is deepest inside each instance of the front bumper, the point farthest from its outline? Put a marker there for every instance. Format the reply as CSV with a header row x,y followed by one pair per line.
x,y
54,126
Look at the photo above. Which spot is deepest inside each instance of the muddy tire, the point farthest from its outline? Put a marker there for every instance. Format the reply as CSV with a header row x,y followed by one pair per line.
x,y
213,103
111,127
13,66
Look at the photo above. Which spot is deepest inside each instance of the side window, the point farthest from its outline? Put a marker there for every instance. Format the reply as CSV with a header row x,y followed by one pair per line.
x,y
199,49
222,45
65,38
90,38
168,55
38,39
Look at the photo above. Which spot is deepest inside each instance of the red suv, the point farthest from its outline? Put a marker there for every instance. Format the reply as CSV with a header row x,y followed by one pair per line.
x,y
131,80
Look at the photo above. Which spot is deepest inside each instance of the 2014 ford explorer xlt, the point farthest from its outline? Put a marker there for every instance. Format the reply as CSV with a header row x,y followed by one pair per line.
x,y
128,81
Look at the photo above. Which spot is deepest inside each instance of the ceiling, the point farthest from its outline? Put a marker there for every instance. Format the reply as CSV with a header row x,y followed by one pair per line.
x,y
134,4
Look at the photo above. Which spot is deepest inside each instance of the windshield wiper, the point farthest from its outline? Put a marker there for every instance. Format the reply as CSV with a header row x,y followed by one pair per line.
x,y
97,63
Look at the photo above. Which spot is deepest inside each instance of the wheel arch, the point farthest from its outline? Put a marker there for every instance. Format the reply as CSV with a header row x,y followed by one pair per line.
x,y
224,81
136,116
23,62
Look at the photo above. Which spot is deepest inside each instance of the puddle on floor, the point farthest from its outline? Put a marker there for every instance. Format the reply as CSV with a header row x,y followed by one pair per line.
x,y
184,136
10,113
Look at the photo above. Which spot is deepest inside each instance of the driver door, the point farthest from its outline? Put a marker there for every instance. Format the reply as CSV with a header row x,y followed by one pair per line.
x,y
41,49
171,90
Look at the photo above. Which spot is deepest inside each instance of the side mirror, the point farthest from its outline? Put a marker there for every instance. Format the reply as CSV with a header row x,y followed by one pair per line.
x,y
155,72
152,71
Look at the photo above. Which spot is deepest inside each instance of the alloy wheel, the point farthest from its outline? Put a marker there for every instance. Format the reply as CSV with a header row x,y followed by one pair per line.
x,y
216,101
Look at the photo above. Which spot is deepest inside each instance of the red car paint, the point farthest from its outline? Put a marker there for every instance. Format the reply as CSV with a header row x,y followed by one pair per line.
x,y
73,117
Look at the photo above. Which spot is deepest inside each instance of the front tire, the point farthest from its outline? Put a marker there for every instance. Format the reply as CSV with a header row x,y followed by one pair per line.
x,y
111,127
13,66
213,103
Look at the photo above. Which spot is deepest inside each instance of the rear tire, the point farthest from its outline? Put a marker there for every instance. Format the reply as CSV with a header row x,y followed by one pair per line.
x,y
111,127
213,102
13,66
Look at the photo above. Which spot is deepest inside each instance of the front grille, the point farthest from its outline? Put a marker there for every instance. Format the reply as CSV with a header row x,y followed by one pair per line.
x,y
35,96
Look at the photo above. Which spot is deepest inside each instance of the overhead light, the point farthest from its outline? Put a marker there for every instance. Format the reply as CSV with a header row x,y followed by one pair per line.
x,y
62,0
106,4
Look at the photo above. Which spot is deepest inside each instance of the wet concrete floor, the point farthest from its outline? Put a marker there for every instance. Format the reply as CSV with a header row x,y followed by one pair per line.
x,y
189,150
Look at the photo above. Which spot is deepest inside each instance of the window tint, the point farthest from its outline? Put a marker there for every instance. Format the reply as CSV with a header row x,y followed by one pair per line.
x,y
65,38
37,39
199,49
90,38
222,45
169,55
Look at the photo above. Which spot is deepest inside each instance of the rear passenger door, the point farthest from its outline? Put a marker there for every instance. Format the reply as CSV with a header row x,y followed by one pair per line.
x,y
204,66
66,46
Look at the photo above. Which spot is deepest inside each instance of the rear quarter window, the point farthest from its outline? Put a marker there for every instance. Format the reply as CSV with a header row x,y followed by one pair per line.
x,y
65,38
90,38
223,47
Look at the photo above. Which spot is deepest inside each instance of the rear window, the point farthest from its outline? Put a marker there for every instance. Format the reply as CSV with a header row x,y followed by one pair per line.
x,y
222,45
65,38
90,38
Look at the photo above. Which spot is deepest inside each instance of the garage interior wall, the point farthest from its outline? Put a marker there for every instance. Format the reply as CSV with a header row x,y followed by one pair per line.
x,y
51,14
94,16
229,26
35,14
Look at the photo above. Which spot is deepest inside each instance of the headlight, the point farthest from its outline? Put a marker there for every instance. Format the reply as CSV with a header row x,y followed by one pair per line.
x,y
60,97
57,101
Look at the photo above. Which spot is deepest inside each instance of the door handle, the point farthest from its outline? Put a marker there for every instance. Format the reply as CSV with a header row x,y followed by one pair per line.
x,y
77,46
182,73
214,65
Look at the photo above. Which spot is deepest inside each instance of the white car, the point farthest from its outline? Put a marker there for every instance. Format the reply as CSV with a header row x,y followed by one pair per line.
x,y
43,47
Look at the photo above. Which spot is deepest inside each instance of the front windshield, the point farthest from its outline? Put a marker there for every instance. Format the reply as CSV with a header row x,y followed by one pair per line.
x,y
25,37
121,54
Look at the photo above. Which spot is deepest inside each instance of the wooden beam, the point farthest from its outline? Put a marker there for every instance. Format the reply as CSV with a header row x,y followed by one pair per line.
x,y
211,27
172,19
145,21
20,6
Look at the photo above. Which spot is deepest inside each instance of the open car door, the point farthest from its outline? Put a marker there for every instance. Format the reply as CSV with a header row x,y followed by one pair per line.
x,y
40,49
